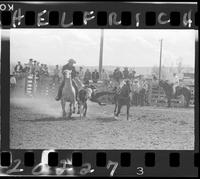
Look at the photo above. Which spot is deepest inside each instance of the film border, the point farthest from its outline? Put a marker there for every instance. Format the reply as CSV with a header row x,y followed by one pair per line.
x,y
162,169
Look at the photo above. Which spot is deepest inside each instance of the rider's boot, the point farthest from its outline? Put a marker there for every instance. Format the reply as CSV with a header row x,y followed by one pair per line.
x,y
57,98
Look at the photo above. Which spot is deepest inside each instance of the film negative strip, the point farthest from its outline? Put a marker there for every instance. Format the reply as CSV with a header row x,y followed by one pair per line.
x,y
99,89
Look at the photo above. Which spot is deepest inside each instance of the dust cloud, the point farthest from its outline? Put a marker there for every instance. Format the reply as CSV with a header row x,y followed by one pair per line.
x,y
44,106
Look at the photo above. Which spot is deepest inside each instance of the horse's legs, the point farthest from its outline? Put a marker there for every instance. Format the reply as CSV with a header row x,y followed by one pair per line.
x,y
169,102
74,108
119,110
80,110
85,109
115,108
70,110
139,98
142,98
63,107
79,106
128,107
136,99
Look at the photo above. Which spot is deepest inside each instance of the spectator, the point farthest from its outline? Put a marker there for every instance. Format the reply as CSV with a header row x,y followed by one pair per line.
x,y
26,68
126,73
175,82
154,80
154,77
81,73
104,76
95,76
37,67
13,81
34,67
30,66
142,90
56,74
117,75
18,68
46,72
132,75
136,89
87,76
41,68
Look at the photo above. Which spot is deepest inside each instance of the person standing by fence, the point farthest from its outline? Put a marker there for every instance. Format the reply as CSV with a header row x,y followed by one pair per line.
x,y
46,71
30,66
104,77
56,73
135,93
132,75
18,68
126,73
12,82
95,76
175,82
87,76
37,68
26,68
81,74
117,76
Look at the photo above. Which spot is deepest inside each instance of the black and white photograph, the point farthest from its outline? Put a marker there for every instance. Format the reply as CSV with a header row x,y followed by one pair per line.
x,y
102,89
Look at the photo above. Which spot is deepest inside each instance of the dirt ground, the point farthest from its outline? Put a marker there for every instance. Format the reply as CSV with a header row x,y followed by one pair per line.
x,y
37,124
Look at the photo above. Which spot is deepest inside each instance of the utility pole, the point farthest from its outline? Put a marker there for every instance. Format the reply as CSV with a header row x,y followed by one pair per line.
x,y
160,64
160,59
101,53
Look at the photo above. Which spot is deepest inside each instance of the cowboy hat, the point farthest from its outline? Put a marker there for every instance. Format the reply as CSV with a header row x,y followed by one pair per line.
x,y
71,61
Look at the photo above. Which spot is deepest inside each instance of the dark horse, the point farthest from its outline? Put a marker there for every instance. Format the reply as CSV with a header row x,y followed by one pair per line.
x,y
121,98
168,89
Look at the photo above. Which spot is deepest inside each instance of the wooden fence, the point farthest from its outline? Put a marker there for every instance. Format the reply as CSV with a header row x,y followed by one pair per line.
x,y
157,96
45,88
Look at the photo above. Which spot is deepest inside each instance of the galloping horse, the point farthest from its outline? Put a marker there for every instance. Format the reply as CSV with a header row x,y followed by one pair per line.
x,y
68,94
179,91
122,98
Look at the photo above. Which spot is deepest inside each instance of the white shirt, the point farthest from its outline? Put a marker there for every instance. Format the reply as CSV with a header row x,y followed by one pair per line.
x,y
104,76
176,80
13,80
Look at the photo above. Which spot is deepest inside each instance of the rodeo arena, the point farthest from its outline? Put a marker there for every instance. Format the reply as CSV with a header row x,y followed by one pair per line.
x,y
33,105
34,80
68,106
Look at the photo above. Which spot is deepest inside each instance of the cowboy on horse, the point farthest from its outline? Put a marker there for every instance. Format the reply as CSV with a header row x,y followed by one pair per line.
x,y
68,66
175,82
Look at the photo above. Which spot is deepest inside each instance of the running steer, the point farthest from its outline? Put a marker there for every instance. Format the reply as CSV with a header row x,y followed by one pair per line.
x,y
122,98
83,95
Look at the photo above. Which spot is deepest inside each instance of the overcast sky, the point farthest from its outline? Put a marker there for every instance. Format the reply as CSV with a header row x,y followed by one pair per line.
x,y
121,47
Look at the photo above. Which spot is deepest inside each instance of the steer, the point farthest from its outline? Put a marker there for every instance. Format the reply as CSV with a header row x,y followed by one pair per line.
x,y
83,95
